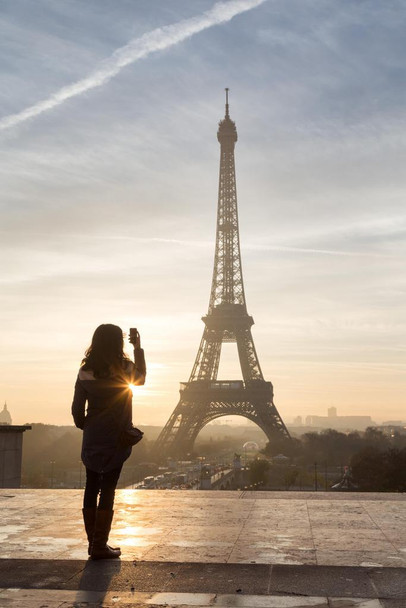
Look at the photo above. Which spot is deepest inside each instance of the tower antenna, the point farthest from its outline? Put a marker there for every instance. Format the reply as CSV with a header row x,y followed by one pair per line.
x,y
227,114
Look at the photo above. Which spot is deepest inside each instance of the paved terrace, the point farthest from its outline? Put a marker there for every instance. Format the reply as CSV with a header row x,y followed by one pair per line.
x,y
202,548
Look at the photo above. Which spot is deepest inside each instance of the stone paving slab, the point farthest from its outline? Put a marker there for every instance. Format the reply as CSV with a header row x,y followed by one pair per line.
x,y
15,598
297,528
265,549
173,577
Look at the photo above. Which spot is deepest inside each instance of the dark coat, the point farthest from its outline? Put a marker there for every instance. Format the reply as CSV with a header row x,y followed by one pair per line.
x,y
108,413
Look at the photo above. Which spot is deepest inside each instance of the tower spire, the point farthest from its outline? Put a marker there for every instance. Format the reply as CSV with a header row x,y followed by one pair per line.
x,y
227,113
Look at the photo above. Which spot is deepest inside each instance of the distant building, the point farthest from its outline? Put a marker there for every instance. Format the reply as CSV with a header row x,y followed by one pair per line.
x,y
298,421
333,421
394,423
11,447
390,429
5,417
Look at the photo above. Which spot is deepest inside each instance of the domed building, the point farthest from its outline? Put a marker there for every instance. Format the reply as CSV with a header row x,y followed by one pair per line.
x,y
5,417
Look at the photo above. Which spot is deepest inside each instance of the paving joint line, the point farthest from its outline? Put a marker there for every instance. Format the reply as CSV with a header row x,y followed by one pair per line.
x,y
241,531
386,537
311,532
374,587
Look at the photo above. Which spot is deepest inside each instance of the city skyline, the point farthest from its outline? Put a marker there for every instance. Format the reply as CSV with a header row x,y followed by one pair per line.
x,y
110,170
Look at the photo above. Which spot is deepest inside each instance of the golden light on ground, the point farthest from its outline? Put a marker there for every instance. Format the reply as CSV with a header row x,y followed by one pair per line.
x,y
136,536
138,531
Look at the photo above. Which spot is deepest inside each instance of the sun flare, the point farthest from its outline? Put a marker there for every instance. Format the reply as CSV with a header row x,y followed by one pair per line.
x,y
137,390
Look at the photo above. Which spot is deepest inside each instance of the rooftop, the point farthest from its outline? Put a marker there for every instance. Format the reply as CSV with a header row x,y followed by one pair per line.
x,y
207,548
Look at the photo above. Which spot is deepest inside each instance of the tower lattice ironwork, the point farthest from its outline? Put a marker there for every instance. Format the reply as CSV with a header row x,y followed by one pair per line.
x,y
204,398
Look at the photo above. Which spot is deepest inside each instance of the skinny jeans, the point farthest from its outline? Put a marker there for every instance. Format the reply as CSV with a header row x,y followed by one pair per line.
x,y
103,484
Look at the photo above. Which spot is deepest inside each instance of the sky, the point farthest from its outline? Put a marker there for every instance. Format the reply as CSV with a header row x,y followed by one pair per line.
x,y
109,172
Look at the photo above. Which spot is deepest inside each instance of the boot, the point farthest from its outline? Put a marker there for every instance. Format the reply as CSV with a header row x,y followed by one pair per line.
x,y
89,518
100,548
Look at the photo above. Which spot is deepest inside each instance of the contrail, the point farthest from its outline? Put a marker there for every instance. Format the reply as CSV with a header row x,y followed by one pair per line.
x,y
138,48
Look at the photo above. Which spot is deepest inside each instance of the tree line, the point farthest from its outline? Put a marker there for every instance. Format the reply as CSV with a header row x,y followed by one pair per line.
x,y
377,461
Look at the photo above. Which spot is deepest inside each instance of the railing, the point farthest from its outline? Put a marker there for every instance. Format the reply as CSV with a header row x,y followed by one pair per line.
x,y
218,385
227,384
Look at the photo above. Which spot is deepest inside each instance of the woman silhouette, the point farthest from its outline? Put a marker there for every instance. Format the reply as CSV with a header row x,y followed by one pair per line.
x,y
104,382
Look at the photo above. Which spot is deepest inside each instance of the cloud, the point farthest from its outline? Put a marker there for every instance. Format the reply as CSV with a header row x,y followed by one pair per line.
x,y
310,251
158,39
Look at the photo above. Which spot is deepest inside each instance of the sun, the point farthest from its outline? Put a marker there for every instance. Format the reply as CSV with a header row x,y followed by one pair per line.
x,y
137,390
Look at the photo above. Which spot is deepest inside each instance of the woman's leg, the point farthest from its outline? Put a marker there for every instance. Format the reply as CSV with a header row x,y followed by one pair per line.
x,y
92,489
100,548
90,504
108,484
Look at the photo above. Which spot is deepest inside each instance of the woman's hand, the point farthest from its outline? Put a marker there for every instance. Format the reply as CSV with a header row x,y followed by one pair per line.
x,y
135,338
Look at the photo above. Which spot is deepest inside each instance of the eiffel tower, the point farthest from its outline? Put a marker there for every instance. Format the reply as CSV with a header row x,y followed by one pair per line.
x,y
204,398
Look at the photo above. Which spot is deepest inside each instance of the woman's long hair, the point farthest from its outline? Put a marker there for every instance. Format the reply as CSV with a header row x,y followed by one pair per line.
x,y
105,355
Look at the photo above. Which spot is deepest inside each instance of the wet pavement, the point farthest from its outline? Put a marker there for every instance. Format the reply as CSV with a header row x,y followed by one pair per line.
x,y
207,548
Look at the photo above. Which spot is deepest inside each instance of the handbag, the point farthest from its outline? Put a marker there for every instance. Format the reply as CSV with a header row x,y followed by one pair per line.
x,y
130,436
